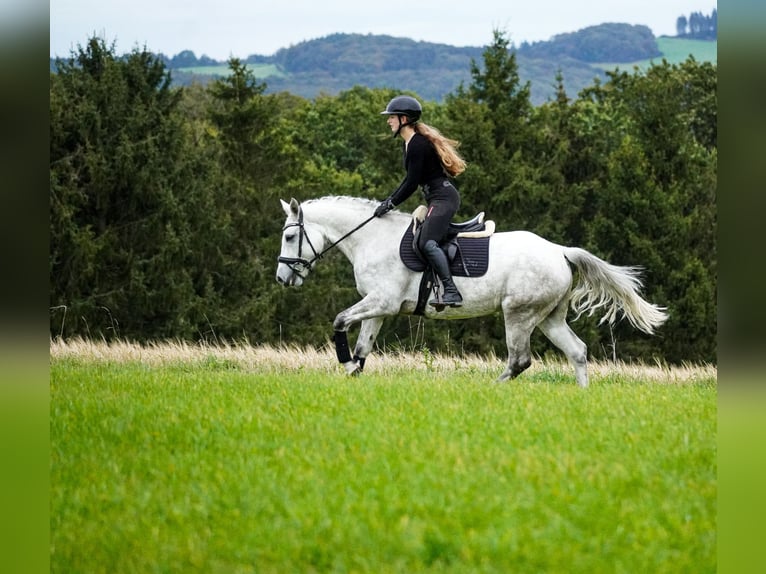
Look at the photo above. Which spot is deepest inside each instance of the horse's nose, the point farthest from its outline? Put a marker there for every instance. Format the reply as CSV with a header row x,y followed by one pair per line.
x,y
285,279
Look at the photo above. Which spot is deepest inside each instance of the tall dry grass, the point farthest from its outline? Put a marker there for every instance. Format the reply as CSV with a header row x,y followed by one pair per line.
x,y
246,356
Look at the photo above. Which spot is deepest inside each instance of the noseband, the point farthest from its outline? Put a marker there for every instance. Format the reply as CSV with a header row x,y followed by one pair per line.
x,y
295,264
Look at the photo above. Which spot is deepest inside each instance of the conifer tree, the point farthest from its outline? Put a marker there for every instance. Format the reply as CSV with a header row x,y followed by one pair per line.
x,y
122,174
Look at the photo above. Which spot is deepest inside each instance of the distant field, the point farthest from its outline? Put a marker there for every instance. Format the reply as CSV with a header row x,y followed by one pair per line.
x,y
176,458
258,70
675,51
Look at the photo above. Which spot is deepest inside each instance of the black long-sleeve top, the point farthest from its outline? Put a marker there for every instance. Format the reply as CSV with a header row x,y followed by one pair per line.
x,y
422,163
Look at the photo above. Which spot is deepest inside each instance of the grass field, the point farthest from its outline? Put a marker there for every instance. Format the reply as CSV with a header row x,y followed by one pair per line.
x,y
176,458
258,70
675,51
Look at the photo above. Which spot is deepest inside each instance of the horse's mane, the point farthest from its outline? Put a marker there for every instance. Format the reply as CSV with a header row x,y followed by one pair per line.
x,y
360,202
344,199
367,205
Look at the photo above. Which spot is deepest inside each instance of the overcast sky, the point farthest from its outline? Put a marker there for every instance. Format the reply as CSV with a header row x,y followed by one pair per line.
x,y
221,29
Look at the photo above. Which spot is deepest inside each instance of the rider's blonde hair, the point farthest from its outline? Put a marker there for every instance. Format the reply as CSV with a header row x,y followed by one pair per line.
x,y
445,147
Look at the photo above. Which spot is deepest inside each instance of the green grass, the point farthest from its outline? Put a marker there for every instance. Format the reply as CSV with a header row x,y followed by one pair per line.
x,y
258,70
207,466
675,51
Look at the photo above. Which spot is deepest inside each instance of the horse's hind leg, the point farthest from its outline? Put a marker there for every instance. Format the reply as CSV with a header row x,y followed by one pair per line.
x,y
560,334
518,329
368,331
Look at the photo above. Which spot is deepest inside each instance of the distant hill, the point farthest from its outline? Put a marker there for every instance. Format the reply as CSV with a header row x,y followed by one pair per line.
x,y
602,43
339,61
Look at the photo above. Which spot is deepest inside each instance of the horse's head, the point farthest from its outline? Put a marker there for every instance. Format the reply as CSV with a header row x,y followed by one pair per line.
x,y
301,245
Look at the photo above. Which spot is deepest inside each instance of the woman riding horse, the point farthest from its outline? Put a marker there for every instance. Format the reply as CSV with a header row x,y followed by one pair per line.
x,y
429,158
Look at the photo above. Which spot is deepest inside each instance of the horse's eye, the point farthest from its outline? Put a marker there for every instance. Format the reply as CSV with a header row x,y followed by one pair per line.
x,y
289,237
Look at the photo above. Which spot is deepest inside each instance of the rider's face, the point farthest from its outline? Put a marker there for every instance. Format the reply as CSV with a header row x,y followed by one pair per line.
x,y
393,121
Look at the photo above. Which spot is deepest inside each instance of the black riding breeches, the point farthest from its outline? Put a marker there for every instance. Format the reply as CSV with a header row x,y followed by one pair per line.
x,y
441,210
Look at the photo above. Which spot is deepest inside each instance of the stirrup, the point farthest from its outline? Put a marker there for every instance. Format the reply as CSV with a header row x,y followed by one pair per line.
x,y
456,303
437,302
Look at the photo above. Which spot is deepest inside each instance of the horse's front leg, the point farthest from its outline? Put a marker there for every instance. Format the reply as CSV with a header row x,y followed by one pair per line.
x,y
370,312
368,331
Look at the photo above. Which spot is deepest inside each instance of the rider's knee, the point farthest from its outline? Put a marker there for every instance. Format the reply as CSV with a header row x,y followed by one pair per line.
x,y
428,245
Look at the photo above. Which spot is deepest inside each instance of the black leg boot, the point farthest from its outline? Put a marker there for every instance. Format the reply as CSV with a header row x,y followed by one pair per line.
x,y
438,261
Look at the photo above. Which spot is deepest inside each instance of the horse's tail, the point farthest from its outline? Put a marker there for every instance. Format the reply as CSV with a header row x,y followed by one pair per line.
x,y
613,288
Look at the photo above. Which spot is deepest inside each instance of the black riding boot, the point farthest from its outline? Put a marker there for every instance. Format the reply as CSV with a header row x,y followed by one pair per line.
x,y
438,261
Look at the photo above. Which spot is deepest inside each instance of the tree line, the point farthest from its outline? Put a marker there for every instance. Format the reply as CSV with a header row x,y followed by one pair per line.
x,y
698,25
165,220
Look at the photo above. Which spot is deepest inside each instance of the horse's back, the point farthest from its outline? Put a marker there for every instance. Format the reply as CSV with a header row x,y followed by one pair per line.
x,y
523,243
524,256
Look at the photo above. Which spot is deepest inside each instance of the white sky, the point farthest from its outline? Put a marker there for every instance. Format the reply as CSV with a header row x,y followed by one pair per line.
x,y
221,29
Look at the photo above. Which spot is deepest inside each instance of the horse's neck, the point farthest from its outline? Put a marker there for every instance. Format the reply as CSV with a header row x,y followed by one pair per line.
x,y
337,220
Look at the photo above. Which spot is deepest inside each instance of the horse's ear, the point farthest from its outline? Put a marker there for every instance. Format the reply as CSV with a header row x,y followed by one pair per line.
x,y
292,208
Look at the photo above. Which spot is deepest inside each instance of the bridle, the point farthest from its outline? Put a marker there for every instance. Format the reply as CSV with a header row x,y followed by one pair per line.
x,y
295,264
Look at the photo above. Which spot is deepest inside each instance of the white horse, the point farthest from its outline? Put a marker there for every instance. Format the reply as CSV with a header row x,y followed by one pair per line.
x,y
528,278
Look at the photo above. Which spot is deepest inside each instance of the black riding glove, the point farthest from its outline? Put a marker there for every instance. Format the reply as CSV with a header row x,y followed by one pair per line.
x,y
385,206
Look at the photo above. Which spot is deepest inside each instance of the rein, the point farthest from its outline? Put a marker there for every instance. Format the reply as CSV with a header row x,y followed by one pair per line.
x,y
293,262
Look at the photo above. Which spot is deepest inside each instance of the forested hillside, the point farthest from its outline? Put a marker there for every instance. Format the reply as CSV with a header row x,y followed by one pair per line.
x,y
164,200
339,62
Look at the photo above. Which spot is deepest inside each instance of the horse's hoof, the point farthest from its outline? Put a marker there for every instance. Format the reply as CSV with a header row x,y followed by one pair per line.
x,y
353,369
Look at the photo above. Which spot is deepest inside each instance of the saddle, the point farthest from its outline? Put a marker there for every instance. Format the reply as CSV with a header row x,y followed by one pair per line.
x,y
466,247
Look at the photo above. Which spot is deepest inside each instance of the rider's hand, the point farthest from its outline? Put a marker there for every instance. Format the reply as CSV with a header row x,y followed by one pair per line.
x,y
385,206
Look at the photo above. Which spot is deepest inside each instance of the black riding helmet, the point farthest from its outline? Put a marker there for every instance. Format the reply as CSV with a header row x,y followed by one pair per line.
x,y
403,106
